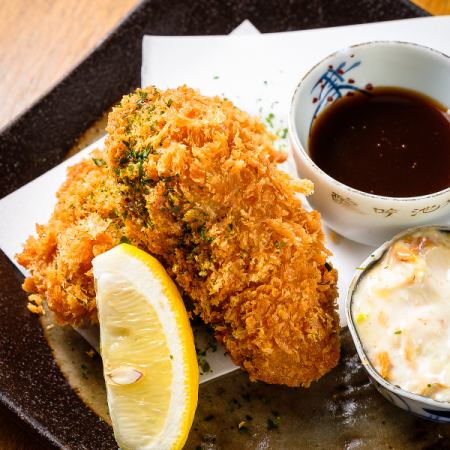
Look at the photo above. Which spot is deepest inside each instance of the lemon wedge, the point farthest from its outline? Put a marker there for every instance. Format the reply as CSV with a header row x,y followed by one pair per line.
x,y
148,351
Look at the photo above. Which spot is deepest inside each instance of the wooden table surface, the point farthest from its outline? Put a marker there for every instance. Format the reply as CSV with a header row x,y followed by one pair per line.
x,y
40,41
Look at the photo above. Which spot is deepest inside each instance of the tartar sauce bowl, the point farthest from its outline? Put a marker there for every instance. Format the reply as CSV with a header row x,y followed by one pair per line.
x,y
363,217
416,404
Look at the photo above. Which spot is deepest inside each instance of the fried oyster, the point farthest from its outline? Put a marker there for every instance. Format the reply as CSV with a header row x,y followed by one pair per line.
x,y
193,180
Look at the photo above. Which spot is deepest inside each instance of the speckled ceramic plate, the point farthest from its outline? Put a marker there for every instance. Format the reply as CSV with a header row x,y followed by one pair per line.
x,y
340,411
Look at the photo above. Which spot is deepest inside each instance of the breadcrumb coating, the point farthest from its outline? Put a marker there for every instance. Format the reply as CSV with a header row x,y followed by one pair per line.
x,y
193,180
86,222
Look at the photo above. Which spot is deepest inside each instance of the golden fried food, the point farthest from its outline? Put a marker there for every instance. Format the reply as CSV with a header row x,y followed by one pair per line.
x,y
194,182
86,222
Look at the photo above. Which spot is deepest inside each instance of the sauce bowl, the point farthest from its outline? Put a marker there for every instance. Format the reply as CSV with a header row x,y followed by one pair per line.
x,y
363,217
418,405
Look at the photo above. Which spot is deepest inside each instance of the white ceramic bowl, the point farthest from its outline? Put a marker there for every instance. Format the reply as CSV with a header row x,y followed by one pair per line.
x,y
416,404
360,216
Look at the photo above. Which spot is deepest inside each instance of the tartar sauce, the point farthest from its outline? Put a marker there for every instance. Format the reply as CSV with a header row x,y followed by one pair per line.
x,y
401,310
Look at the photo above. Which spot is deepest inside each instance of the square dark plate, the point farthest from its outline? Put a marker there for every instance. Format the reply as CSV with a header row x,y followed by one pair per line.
x,y
32,387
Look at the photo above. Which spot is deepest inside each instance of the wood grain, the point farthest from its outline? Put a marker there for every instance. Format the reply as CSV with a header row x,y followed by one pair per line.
x,y
436,7
42,40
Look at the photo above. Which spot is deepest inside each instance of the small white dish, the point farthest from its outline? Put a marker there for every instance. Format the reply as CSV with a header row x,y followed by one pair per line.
x,y
367,218
416,404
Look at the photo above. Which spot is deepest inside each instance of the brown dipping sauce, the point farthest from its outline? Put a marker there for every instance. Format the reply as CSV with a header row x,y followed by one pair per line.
x,y
390,141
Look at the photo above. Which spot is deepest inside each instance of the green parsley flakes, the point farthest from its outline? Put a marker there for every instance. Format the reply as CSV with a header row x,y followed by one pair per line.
x,y
269,119
124,240
99,162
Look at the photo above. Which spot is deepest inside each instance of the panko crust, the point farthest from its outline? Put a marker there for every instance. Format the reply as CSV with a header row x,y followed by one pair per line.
x,y
85,222
195,183
230,229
